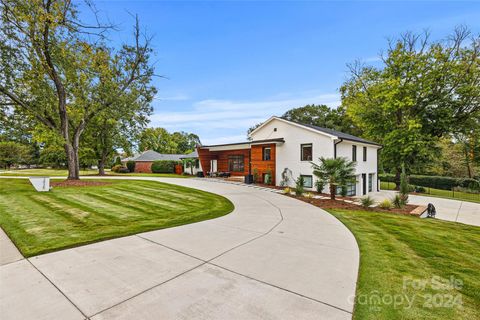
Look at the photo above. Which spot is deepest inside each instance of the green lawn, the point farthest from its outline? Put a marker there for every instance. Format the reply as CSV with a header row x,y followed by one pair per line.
x,y
399,254
40,222
64,172
473,197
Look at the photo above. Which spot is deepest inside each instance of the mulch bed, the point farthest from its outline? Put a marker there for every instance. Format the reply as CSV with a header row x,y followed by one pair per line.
x,y
78,183
337,204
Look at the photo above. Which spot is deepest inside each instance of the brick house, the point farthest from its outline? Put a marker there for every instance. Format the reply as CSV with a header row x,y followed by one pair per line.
x,y
144,160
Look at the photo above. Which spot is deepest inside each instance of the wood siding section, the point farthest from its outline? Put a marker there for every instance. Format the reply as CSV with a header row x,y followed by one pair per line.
x,y
222,160
263,166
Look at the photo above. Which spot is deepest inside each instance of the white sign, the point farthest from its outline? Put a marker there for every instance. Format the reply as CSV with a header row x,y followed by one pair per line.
x,y
41,184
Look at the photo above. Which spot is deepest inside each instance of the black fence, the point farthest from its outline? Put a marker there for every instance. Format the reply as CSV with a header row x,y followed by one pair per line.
x,y
454,193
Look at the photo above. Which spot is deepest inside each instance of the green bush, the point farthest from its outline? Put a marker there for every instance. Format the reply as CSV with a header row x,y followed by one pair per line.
x,y
319,184
131,165
385,204
164,166
436,182
397,201
366,202
116,168
299,186
123,170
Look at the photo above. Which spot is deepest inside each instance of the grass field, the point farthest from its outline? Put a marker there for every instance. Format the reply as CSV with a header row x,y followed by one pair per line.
x,y
70,216
402,258
64,173
431,192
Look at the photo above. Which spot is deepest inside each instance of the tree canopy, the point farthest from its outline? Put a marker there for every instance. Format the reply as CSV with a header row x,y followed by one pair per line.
x,y
424,90
160,140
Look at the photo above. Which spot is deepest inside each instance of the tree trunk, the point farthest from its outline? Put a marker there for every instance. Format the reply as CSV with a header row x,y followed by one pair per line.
x,y
398,172
72,162
333,190
101,167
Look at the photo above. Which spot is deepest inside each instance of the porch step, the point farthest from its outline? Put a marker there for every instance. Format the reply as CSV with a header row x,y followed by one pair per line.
x,y
235,178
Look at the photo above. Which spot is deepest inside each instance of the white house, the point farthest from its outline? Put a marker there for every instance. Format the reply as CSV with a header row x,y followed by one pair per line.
x,y
279,145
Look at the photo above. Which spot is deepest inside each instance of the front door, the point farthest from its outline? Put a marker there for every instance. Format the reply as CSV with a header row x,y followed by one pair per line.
x,y
364,183
213,165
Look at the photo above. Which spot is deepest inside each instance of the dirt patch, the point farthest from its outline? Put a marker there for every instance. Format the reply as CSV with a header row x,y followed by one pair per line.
x,y
338,204
78,183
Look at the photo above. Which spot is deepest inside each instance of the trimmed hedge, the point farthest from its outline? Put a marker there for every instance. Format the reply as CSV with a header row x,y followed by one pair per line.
x,y
131,165
164,166
437,182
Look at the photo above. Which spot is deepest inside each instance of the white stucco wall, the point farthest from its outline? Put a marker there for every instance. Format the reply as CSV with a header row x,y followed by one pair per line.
x,y
195,170
344,149
288,153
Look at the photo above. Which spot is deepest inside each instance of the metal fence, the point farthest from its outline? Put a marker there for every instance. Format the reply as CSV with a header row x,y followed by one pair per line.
x,y
454,194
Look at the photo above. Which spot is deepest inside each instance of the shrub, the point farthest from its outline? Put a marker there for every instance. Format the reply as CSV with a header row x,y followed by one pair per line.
x,y
319,185
299,186
309,195
131,165
116,167
404,186
164,166
343,191
398,201
268,177
437,182
123,170
367,202
420,189
256,176
287,190
385,204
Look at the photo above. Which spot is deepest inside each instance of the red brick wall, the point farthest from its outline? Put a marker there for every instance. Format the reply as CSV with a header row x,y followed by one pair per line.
x,y
143,166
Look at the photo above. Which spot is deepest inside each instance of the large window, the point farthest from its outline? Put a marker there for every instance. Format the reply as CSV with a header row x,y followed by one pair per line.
x,y
306,152
370,182
307,181
235,163
266,154
351,189
354,153
364,153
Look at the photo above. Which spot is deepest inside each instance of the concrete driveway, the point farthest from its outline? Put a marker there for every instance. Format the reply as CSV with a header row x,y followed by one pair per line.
x,y
272,258
447,209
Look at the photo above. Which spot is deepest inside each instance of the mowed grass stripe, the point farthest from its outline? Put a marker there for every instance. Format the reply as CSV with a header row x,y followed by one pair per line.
x,y
50,205
198,198
161,198
71,216
95,215
166,205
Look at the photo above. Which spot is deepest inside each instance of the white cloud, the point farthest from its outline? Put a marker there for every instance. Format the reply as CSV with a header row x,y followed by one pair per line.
x,y
223,121
176,97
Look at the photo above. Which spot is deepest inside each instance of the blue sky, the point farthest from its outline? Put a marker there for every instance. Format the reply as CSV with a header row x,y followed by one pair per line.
x,y
231,64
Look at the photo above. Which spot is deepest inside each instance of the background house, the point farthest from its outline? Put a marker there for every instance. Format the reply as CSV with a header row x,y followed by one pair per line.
x,y
144,160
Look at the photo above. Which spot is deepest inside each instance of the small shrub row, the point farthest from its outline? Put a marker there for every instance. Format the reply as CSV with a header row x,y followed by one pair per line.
x,y
118,168
164,166
437,182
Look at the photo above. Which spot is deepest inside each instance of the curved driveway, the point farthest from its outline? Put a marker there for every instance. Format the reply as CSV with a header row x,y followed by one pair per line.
x,y
273,257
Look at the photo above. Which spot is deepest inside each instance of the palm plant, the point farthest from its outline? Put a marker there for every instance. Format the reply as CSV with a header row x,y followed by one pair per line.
x,y
335,172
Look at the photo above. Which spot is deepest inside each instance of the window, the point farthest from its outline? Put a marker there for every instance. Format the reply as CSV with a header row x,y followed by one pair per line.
x,y
351,189
354,153
370,182
307,181
306,152
364,153
266,153
197,163
235,163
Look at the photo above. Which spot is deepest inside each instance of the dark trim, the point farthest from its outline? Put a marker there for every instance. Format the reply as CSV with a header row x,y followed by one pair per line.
x,y
335,148
301,151
309,176
246,142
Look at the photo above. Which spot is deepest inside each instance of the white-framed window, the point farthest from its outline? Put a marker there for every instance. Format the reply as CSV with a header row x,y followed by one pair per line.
x,y
306,152
370,182
266,153
307,181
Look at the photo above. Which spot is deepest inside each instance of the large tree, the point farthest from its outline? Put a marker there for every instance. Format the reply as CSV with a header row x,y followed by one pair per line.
x,y
424,90
52,70
160,140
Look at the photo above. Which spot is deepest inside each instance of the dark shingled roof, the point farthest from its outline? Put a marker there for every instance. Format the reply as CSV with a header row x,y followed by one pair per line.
x,y
151,155
341,135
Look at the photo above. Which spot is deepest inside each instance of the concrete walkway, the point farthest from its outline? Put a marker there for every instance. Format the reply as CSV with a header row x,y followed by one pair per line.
x,y
447,209
274,257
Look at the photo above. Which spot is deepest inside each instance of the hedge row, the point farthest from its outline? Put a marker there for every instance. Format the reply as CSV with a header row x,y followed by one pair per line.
x,y
437,182
164,166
